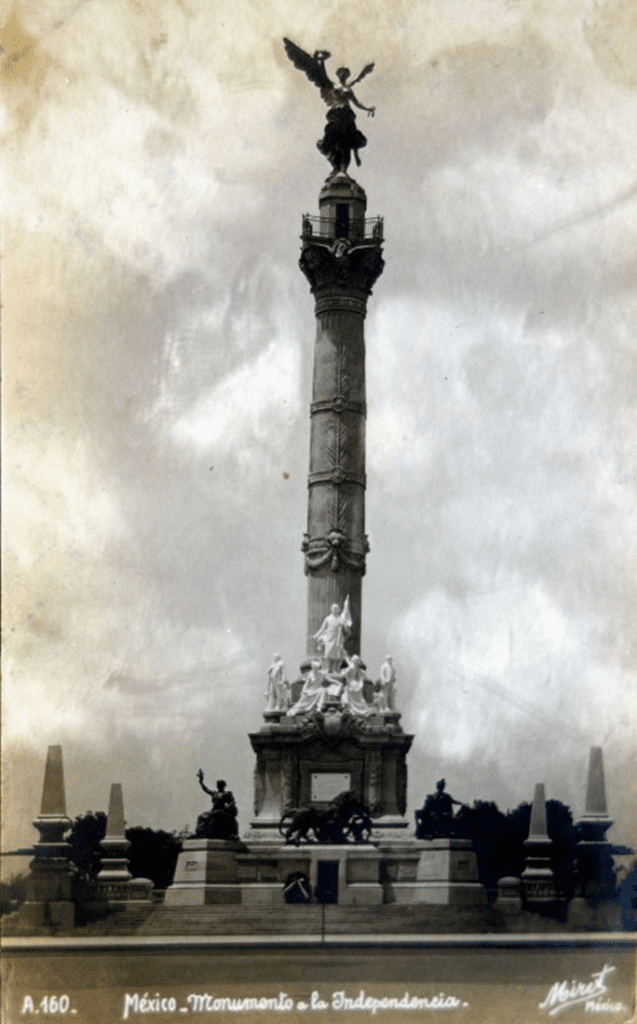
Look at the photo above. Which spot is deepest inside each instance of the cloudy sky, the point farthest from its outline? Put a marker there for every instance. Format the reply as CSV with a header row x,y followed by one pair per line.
x,y
158,344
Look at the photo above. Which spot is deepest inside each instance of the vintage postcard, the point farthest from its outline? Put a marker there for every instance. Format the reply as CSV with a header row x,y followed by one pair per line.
x,y
319,408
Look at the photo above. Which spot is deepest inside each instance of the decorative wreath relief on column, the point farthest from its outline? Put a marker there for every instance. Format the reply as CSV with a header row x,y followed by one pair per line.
x,y
335,549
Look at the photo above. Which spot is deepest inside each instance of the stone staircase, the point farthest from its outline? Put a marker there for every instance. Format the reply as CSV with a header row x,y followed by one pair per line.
x,y
299,919
121,922
307,920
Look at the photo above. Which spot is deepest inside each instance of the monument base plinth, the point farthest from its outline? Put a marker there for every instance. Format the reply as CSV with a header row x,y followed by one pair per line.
x,y
206,872
436,871
343,873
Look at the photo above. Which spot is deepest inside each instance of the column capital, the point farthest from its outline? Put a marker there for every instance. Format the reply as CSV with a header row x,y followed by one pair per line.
x,y
343,274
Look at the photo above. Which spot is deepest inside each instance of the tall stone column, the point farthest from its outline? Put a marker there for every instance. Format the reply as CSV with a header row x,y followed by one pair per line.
x,y
341,258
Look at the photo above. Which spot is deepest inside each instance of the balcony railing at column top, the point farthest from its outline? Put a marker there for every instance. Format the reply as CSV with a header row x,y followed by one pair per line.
x,y
326,228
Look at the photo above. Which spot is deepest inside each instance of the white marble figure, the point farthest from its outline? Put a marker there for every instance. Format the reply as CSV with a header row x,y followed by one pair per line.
x,y
354,678
331,637
313,694
278,689
385,696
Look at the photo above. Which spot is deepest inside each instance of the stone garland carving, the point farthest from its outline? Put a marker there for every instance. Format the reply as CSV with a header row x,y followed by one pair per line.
x,y
334,549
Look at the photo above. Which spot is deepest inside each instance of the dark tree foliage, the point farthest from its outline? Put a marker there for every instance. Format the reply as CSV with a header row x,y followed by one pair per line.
x,y
628,900
565,835
153,854
498,841
86,835
494,839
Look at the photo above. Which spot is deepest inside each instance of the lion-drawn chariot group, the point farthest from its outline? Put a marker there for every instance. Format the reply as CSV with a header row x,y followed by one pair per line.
x,y
344,819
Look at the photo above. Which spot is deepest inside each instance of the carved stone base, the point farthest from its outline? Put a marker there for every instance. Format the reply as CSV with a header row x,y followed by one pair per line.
x,y
206,872
437,871
354,870
296,758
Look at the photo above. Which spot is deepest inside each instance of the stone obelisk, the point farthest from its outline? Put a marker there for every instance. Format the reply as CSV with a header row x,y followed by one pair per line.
x,y
49,901
341,258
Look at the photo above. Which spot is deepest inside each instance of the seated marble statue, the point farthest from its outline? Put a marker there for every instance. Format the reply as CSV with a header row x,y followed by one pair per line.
x,y
313,694
354,679
334,689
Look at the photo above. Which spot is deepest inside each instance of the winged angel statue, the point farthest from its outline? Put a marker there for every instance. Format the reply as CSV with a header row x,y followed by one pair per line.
x,y
341,137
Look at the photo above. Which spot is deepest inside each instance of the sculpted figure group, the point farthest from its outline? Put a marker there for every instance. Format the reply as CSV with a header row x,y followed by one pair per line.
x,y
344,688
335,678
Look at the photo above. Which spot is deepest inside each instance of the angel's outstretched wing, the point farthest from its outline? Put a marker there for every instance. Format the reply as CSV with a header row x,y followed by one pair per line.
x,y
366,71
313,68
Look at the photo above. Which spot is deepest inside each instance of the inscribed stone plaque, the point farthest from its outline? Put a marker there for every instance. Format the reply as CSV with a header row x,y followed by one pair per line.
x,y
327,785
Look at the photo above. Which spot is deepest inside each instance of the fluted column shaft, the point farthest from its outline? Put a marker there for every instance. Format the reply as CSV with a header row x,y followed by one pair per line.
x,y
336,543
341,268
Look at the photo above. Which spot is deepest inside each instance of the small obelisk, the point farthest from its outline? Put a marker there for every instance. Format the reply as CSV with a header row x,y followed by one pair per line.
x,y
537,877
48,903
596,809
114,863
594,861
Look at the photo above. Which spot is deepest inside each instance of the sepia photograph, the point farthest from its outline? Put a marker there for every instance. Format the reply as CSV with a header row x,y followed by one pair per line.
x,y
319,506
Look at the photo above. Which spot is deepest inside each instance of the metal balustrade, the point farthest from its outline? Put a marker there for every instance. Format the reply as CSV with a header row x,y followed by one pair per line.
x,y
370,229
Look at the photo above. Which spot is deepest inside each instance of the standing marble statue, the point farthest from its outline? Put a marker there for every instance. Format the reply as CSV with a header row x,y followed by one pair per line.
x,y
331,637
385,695
278,690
